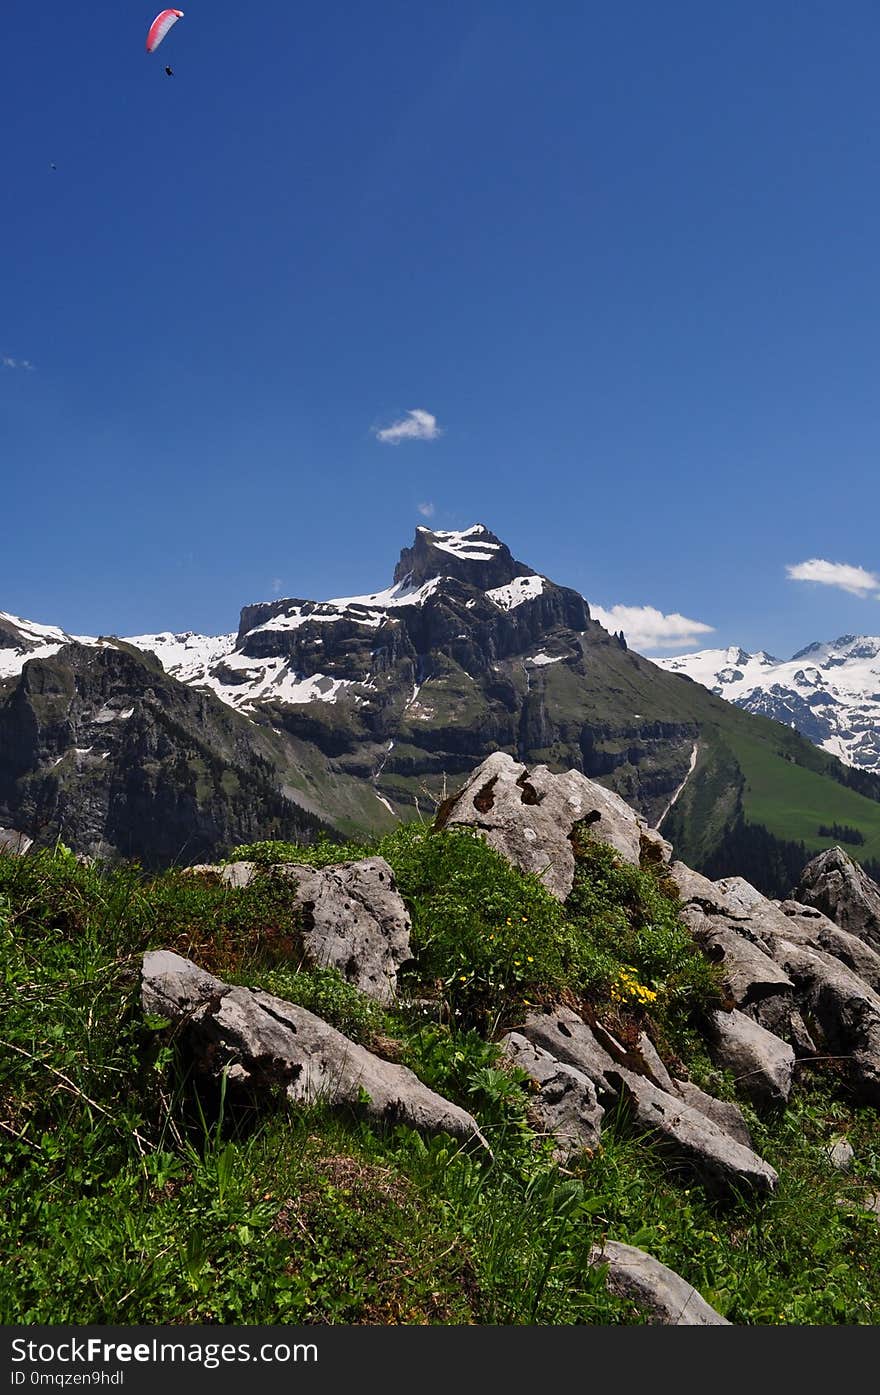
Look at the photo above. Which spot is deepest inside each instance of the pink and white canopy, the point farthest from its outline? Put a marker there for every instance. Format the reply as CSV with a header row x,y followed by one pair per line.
x,y
160,26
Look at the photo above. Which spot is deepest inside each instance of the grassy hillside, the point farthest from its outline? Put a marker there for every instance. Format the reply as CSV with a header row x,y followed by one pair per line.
x,y
794,802
134,1194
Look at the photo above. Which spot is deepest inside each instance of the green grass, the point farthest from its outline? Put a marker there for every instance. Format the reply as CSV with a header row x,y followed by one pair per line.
x,y
792,801
134,1194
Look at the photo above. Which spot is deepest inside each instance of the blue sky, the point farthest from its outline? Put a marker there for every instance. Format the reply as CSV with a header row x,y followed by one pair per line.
x,y
625,256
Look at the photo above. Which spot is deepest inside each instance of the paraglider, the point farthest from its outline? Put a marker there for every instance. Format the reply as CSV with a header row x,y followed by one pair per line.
x,y
164,21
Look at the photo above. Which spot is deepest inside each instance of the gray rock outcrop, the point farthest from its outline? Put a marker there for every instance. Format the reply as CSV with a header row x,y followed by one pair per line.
x,y
727,1115
836,885
690,1136
353,917
355,921
566,1102
762,1063
14,843
749,973
261,1041
661,1294
529,814
685,1130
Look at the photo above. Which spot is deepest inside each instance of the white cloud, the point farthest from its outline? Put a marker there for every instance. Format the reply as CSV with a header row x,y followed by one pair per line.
x,y
277,584
427,510
856,580
7,362
648,628
417,425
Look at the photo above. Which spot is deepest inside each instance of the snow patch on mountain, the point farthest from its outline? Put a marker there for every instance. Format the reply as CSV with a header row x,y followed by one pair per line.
x,y
471,544
186,656
524,588
360,610
21,640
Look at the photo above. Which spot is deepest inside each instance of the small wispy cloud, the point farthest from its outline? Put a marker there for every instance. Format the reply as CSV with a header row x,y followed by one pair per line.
x,y
277,584
645,627
417,425
856,580
7,362
427,510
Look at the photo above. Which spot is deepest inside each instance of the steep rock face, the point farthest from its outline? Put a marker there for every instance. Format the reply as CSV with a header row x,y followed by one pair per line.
x,y
100,747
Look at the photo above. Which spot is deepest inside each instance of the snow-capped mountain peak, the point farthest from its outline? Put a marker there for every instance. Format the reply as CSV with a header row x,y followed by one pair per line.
x,y
21,640
828,691
294,651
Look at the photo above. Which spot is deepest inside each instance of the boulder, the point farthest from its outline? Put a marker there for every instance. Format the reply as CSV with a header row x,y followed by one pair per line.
x,y
653,1066
814,928
727,1115
529,814
841,1155
262,1042
842,1008
836,885
234,874
709,1145
661,1294
749,973
696,890
743,898
566,1037
691,1137
355,921
566,1103
762,1063
781,1016
354,918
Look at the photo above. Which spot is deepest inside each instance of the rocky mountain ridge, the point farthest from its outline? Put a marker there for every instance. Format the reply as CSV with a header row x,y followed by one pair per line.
x,y
829,692
367,707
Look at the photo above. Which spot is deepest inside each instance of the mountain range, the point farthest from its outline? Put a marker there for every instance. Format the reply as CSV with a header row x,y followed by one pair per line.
x,y
353,712
828,692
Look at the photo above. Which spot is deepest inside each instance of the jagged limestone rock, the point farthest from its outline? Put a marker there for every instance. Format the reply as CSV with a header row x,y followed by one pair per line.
x,y
727,1115
749,973
840,1006
654,1067
696,890
688,1133
810,925
661,1294
353,916
762,1063
261,1041
355,921
528,814
833,883
564,1035
566,1102
690,1136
